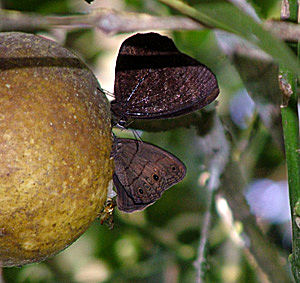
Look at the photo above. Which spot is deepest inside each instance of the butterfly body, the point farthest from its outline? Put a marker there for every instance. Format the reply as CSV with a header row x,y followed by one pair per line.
x,y
142,173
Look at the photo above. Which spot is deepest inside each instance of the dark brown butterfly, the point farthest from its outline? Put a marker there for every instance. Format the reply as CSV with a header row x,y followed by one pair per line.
x,y
154,80
142,173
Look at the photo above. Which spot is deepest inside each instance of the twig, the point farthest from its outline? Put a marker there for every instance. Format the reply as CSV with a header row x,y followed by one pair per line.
x,y
116,22
216,149
108,21
284,30
200,261
113,22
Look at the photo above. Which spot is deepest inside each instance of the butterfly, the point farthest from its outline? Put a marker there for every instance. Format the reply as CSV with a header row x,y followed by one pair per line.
x,y
142,173
154,80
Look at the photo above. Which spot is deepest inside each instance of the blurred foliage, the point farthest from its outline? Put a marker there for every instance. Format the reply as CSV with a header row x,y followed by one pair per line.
x,y
160,244
43,7
266,8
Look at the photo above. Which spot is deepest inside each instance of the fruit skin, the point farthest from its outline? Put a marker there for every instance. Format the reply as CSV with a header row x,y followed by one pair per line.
x,y
55,143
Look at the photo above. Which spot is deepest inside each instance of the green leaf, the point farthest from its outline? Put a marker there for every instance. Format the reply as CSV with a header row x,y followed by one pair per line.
x,y
229,18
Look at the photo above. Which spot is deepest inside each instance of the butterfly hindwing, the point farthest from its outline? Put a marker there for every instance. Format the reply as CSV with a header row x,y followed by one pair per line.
x,y
142,173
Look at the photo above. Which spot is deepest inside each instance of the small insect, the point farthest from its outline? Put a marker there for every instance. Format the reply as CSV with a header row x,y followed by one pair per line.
x,y
142,173
106,216
154,80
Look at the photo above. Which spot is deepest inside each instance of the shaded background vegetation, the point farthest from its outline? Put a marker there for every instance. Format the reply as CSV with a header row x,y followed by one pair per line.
x,y
160,244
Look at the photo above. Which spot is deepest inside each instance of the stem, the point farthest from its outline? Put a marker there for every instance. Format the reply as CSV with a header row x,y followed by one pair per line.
x,y
107,20
290,124
201,258
215,162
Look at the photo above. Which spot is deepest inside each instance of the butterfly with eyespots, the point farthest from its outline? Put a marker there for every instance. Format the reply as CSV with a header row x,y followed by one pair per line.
x,y
142,173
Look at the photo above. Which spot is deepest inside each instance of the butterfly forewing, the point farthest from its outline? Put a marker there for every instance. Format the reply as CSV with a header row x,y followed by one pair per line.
x,y
142,173
153,79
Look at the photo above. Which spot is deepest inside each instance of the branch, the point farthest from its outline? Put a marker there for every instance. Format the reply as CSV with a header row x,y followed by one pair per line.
x,y
108,21
283,30
113,22
201,259
215,148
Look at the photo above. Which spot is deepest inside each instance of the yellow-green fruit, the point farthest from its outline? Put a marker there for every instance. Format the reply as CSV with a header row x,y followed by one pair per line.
x,y
55,143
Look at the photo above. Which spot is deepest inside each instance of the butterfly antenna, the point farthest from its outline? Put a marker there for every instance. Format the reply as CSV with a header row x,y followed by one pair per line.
x,y
106,92
128,124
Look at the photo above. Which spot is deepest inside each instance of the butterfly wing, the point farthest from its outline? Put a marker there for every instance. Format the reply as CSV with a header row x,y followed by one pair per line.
x,y
142,173
153,79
